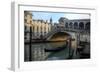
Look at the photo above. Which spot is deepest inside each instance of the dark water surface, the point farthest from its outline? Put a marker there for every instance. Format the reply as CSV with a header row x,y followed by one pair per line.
x,y
38,53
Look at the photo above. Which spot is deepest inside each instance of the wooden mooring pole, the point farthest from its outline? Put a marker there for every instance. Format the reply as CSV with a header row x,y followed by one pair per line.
x,y
30,45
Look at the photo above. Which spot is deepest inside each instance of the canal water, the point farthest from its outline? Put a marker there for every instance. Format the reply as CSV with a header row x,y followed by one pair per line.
x,y
38,52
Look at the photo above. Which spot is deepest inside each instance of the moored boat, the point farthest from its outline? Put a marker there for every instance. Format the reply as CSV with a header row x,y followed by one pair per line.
x,y
55,49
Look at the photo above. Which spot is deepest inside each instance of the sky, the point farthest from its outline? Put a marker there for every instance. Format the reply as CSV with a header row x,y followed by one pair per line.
x,y
55,16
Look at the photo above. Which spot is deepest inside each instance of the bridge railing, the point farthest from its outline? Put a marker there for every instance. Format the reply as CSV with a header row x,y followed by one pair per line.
x,y
54,30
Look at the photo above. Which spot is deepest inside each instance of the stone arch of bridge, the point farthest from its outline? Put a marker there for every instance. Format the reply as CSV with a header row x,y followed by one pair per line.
x,y
60,33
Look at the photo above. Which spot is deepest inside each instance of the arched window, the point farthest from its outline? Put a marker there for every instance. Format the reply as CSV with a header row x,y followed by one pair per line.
x,y
70,25
41,30
81,25
37,30
66,25
44,29
25,29
33,28
76,25
87,26
30,22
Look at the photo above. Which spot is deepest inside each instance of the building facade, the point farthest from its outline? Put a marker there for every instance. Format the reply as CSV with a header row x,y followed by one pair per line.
x,y
39,27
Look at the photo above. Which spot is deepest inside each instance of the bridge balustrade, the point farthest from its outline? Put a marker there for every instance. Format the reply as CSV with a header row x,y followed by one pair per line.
x,y
54,30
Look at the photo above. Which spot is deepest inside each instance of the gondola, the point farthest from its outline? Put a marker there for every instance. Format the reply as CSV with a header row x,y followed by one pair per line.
x,y
55,49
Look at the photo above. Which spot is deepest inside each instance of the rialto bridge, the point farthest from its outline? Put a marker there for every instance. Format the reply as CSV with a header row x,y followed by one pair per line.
x,y
79,30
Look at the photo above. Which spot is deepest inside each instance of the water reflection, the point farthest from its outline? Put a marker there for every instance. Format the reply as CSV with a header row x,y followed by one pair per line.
x,y
38,52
